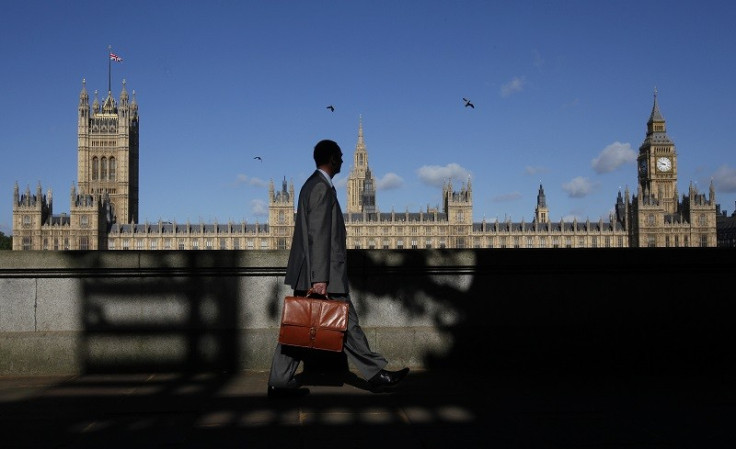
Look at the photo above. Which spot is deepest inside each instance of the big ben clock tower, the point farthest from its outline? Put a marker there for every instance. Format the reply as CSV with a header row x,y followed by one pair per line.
x,y
657,163
659,217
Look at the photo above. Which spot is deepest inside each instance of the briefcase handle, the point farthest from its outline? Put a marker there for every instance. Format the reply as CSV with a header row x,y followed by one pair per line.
x,y
311,293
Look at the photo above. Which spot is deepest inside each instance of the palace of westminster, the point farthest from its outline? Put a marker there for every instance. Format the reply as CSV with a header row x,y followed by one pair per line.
x,y
104,205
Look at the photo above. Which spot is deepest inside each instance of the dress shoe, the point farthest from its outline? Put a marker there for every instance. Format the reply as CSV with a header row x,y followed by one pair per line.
x,y
386,379
285,393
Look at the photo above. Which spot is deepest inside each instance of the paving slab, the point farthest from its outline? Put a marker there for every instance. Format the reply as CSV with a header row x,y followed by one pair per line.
x,y
430,409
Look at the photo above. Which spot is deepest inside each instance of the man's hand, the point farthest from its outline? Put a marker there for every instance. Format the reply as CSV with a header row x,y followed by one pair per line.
x,y
320,288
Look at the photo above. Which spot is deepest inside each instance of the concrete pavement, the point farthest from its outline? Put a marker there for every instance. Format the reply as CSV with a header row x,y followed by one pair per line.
x,y
430,409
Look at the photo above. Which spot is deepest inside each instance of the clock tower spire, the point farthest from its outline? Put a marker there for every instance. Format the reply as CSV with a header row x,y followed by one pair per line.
x,y
657,162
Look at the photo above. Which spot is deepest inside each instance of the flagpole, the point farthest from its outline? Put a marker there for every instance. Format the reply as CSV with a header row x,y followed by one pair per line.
x,y
109,69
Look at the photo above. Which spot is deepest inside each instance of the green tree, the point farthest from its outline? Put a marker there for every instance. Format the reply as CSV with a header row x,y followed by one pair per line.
x,y
6,241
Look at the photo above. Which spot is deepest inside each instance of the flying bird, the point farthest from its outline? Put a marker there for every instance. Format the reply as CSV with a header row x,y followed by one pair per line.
x,y
468,103
331,108
259,158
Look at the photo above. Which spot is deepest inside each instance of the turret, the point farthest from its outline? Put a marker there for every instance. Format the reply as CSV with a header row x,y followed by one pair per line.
x,y
368,196
541,212
446,194
620,215
50,201
110,106
83,109
124,110
96,104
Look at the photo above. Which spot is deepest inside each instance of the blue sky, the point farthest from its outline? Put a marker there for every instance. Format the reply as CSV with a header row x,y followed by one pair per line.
x,y
562,93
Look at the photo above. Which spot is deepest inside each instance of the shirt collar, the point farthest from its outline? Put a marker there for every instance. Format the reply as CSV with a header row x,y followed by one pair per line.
x,y
326,176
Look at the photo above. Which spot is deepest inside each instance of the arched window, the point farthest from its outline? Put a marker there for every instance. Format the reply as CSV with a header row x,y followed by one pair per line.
x,y
112,169
103,169
95,169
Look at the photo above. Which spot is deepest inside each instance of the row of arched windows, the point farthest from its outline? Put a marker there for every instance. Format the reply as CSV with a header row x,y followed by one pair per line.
x,y
103,169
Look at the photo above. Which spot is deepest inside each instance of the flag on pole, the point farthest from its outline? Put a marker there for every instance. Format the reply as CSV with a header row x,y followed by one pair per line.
x,y
116,58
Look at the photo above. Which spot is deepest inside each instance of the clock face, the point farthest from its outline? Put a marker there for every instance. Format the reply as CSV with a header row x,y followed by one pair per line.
x,y
643,167
664,164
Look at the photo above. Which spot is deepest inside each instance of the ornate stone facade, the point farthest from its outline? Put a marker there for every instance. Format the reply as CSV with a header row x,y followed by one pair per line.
x,y
104,211
107,182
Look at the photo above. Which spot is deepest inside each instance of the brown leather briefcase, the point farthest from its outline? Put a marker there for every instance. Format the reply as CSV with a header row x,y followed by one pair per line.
x,y
313,323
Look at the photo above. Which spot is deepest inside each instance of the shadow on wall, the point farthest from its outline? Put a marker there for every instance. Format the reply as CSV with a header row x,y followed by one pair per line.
x,y
185,322
559,311
553,311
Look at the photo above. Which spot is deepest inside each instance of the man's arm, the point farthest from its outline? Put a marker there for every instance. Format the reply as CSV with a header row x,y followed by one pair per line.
x,y
319,229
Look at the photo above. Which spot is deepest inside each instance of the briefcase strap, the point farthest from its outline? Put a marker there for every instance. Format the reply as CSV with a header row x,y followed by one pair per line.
x,y
310,293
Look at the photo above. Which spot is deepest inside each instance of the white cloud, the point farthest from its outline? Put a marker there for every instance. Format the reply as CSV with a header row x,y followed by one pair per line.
x,y
578,187
513,86
249,180
724,179
612,157
437,176
259,208
389,181
531,170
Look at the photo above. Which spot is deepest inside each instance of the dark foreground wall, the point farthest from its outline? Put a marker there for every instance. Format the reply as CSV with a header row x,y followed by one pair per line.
x,y
554,310
561,310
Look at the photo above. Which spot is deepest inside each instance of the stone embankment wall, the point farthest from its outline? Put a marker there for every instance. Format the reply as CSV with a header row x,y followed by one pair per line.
x,y
498,309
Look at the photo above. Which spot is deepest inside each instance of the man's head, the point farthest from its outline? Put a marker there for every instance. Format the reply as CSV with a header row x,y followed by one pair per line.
x,y
328,156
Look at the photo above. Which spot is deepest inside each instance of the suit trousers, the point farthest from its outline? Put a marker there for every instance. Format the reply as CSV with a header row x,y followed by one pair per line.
x,y
286,359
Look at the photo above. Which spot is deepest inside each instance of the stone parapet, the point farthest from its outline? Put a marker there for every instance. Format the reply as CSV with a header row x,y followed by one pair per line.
x,y
137,311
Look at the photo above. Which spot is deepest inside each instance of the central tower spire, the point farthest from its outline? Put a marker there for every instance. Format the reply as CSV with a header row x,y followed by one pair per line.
x,y
359,173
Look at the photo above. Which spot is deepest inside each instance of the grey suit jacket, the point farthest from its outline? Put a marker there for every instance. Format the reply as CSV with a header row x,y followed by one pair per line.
x,y
318,249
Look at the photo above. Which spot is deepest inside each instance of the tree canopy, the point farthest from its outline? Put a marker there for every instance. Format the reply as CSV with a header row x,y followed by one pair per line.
x,y
6,241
